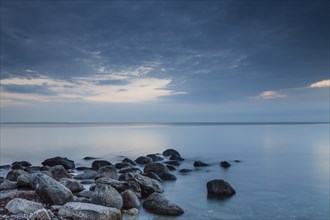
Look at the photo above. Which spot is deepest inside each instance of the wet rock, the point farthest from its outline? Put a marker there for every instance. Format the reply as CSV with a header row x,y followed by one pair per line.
x,y
23,181
160,169
225,164
22,206
88,174
126,160
143,160
86,211
22,163
237,161
7,184
59,172
107,196
199,163
122,165
175,157
90,158
81,199
169,152
5,167
14,174
6,196
17,167
65,162
168,176
155,157
121,186
49,190
130,199
152,175
86,194
172,162
219,188
170,167
160,205
132,211
108,171
87,182
32,169
185,170
73,185
83,168
2,179
41,214
130,170
97,164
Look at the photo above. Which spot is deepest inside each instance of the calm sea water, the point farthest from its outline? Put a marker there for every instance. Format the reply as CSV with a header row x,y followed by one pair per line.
x,y
283,174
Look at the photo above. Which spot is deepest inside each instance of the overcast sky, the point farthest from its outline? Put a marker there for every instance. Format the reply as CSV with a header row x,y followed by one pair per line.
x,y
112,61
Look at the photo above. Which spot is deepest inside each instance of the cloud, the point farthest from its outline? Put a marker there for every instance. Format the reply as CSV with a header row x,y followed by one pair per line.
x,y
270,95
321,84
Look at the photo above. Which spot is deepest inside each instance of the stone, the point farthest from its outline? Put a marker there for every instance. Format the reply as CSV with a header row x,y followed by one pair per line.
x,y
126,160
123,165
155,157
65,162
17,167
108,171
172,162
185,170
41,214
73,185
86,211
143,160
59,172
22,206
224,164
49,190
5,167
219,188
83,168
23,181
97,164
199,163
121,186
6,196
22,163
237,161
2,179
170,167
14,174
86,194
132,211
160,169
130,199
88,174
169,152
175,157
107,196
130,170
160,205
7,184
32,169
152,175
90,158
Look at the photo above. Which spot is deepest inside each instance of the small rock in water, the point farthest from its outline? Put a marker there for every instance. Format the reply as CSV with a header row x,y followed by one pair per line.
x,y
170,167
199,163
237,161
107,196
130,170
219,188
169,152
160,169
155,157
88,174
4,167
152,175
7,184
108,171
73,185
65,162
143,160
22,163
176,157
32,169
126,160
22,206
90,158
225,164
185,170
158,204
14,174
130,199
97,164
59,172
172,162
123,165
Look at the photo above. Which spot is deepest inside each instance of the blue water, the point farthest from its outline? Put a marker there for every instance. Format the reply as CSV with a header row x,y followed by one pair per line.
x,y
283,174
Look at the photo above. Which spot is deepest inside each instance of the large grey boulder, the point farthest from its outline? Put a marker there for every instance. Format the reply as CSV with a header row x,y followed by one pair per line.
x,y
159,204
160,169
107,196
169,152
143,160
121,186
219,188
49,190
65,162
59,172
72,184
22,206
108,171
86,211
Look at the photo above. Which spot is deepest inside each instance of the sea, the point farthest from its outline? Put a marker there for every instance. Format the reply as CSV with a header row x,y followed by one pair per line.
x,y
283,171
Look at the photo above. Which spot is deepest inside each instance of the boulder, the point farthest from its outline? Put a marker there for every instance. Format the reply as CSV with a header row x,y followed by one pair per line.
x,y
169,152
85,194
143,160
152,175
14,174
65,162
170,167
185,171
49,190
108,171
22,163
90,158
219,188
199,163
224,164
155,157
86,211
175,157
97,164
121,186
160,205
107,196
172,162
160,169
132,211
123,165
40,214
6,196
130,199
22,206
59,172
32,169
7,184
73,185
88,174
23,181
130,170
126,160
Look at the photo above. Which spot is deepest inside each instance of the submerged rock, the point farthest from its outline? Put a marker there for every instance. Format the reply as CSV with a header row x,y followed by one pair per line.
x,y
225,164
175,157
90,158
158,204
199,163
185,170
169,152
65,162
85,211
49,190
22,163
107,196
130,170
143,160
32,169
22,206
127,160
219,188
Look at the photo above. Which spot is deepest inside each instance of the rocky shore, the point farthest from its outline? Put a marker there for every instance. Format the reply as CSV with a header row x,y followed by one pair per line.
x,y
57,188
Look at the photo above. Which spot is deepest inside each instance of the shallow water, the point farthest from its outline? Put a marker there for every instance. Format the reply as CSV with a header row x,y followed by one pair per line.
x,y
283,173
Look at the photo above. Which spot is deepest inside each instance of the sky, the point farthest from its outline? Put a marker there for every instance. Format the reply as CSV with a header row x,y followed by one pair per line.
x,y
165,61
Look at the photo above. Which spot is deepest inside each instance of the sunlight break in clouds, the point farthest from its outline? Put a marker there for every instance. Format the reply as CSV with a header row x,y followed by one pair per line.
x,y
270,95
320,84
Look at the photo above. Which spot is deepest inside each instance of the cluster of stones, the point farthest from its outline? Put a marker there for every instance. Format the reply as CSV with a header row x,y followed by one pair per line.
x,y
54,191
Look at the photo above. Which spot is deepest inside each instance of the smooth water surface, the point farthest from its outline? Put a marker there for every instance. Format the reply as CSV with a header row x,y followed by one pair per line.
x,y
283,173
